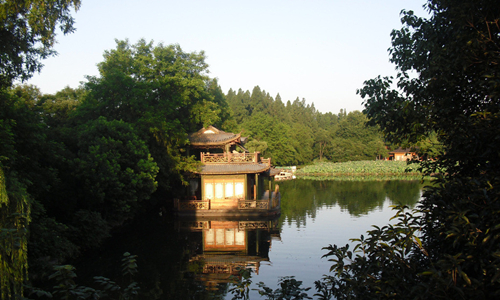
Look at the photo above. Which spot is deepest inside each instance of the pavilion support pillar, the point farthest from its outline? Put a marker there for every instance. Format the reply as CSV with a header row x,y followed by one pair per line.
x,y
256,189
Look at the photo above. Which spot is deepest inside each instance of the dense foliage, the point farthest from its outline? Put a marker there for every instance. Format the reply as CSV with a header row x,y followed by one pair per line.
x,y
27,34
448,86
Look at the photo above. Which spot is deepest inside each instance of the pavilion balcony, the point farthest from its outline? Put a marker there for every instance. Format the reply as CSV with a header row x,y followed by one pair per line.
x,y
228,157
269,201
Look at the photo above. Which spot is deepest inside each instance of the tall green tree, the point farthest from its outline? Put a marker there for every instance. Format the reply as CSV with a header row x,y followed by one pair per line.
x,y
162,91
14,221
447,85
57,108
239,104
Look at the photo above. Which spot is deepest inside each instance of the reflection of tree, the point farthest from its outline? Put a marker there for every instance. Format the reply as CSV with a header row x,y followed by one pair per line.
x,y
302,198
299,200
359,198
403,192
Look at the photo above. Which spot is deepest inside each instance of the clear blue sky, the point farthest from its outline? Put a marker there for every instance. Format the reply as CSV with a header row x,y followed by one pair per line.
x,y
321,51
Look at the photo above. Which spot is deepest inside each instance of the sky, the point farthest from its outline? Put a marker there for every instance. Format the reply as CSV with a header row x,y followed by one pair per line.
x,y
317,50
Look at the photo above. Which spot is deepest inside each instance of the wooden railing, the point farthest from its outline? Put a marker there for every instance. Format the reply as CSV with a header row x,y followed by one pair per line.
x,y
242,204
270,201
253,204
246,225
217,158
192,204
266,161
220,158
223,268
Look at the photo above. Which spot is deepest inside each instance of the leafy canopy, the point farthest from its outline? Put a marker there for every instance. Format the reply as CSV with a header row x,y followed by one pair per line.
x,y
163,92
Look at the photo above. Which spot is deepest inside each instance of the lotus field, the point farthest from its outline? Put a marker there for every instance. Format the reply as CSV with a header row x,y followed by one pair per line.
x,y
361,170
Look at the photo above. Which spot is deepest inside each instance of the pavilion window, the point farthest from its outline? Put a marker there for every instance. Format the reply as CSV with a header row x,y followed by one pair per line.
x,y
240,237
219,191
229,190
209,191
209,237
230,236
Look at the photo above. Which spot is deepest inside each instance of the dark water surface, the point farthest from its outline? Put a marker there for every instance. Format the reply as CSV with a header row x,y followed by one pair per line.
x,y
194,259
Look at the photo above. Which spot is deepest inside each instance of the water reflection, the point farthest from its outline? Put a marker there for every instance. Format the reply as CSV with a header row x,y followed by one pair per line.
x,y
195,258
303,198
226,246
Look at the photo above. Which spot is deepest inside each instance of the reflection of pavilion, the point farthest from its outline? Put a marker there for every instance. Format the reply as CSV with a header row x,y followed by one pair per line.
x,y
227,246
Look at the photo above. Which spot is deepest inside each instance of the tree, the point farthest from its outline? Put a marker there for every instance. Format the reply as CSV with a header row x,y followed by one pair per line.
x,y
25,149
239,103
25,157
58,107
322,140
115,169
448,85
163,92
275,137
14,220
27,34
354,140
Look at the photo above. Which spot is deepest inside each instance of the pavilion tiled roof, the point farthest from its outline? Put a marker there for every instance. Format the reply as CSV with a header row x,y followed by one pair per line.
x,y
212,136
232,168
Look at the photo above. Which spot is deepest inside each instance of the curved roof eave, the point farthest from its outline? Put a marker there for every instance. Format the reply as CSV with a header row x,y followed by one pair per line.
x,y
227,169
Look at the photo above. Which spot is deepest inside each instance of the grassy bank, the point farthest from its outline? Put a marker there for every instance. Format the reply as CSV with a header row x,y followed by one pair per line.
x,y
359,170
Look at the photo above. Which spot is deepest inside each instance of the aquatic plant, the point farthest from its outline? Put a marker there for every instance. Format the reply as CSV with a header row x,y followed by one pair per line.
x,y
361,168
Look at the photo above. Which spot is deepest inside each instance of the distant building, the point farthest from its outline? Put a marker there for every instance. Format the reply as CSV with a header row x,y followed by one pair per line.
x,y
401,154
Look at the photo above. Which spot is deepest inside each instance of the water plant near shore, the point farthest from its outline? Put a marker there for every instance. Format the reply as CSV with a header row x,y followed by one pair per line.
x,y
361,169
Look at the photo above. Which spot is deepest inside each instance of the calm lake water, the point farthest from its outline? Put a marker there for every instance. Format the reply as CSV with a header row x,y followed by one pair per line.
x,y
188,259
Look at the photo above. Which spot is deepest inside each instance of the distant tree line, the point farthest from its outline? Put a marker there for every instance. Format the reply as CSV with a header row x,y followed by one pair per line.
x,y
295,133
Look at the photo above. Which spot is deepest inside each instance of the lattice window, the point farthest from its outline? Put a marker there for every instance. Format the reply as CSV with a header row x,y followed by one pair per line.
x,y
230,236
219,190
240,190
229,190
209,237
224,189
209,191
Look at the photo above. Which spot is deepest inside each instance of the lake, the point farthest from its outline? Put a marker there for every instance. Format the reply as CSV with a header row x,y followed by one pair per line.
x,y
194,259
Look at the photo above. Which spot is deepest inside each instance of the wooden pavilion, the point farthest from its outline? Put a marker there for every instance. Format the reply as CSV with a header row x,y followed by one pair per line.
x,y
230,180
